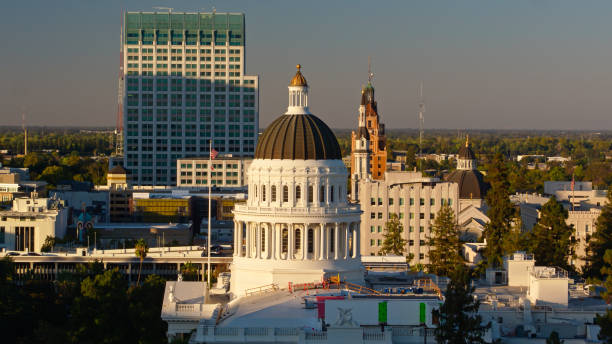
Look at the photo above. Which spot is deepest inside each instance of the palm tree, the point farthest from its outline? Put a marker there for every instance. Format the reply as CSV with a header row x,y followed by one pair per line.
x,y
140,249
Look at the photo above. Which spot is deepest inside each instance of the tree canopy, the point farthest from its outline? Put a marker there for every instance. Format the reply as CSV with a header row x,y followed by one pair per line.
x,y
444,245
393,242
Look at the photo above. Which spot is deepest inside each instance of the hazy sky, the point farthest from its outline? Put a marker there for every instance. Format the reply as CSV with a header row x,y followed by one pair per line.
x,y
485,64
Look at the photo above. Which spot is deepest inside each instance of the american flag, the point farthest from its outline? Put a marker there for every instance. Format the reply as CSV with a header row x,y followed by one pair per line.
x,y
213,153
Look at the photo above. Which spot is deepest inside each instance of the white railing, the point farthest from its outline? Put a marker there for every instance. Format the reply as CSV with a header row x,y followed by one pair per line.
x,y
261,290
316,336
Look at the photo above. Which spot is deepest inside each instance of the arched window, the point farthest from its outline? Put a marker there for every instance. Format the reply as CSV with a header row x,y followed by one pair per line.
x,y
310,194
298,193
310,240
339,193
273,193
263,193
263,239
298,238
331,194
322,194
285,240
285,194
332,241
255,188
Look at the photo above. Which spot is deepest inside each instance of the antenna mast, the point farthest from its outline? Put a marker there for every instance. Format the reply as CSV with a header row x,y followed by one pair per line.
x,y
25,134
421,123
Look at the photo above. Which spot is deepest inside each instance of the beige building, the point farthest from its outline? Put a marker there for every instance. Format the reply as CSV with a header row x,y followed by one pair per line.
x,y
26,226
226,172
583,222
416,200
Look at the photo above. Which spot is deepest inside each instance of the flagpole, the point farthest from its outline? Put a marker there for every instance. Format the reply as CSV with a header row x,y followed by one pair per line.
x,y
209,186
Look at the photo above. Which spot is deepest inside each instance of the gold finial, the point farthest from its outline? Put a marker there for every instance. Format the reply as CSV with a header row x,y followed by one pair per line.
x,y
298,78
467,140
299,66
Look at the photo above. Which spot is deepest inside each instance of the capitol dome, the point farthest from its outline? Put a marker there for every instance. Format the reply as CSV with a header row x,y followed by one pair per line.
x,y
296,225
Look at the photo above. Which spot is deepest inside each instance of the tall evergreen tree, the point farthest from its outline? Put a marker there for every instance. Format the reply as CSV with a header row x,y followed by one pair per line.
x,y
501,212
444,243
600,242
459,319
605,321
550,237
393,242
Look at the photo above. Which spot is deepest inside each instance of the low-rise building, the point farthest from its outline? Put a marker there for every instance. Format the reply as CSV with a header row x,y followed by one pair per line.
x,y
414,199
30,221
227,172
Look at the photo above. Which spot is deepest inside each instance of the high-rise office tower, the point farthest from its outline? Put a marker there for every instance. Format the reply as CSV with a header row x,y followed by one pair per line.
x,y
185,84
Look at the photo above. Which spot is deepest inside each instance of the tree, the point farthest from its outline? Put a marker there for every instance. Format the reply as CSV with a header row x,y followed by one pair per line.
x,y
53,174
48,244
393,242
501,212
554,338
140,249
145,303
444,251
605,321
600,242
550,237
458,316
189,271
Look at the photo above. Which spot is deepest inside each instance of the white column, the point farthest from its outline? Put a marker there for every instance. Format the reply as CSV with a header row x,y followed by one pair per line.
x,y
346,241
235,238
290,242
239,238
327,243
258,238
248,240
355,240
336,241
322,241
304,241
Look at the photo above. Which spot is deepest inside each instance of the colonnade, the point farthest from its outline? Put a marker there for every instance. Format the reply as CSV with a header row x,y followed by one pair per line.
x,y
296,241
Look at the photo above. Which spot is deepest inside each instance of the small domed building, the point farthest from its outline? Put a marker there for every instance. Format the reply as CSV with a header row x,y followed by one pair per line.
x,y
472,187
472,191
297,225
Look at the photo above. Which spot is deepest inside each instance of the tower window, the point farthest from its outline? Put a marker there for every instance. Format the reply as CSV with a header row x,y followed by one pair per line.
x,y
298,193
263,193
285,193
310,240
285,240
322,194
310,194
273,193
298,238
331,194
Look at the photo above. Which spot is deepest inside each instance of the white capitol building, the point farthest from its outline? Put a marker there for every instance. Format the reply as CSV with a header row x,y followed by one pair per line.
x,y
297,225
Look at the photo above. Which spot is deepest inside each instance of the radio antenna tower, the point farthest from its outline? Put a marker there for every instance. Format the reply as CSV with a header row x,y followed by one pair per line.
x,y
119,124
421,123
25,134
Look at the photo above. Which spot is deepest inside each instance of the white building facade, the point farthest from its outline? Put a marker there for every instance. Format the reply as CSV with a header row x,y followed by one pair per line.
x,y
297,225
30,221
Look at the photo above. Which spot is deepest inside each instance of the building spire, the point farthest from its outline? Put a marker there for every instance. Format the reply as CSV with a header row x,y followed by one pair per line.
x,y
370,74
467,140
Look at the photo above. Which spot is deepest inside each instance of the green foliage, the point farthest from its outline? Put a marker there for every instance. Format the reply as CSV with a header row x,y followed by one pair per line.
x,y
48,244
501,213
600,242
550,238
459,319
94,307
444,252
189,271
140,250
554,338
605,321
393,242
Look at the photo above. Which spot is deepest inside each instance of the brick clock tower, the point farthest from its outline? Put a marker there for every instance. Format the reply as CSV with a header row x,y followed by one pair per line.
x,y
377,137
